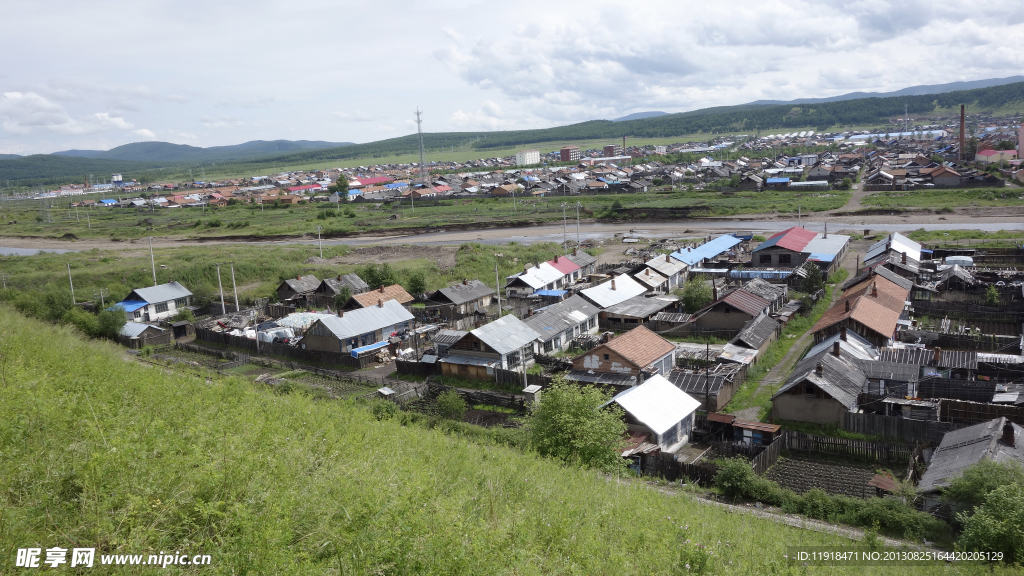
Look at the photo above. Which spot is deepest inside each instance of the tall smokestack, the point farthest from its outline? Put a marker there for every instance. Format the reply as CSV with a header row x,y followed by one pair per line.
x,y
963,127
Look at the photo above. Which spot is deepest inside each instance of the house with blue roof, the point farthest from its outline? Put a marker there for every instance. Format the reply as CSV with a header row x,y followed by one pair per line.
x,y
155,302
693,257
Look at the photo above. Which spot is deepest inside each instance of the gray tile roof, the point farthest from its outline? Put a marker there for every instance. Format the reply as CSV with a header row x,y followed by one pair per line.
x,y
559,317
133,329
506,334
962,448
581,258
446,337
461,293
303,284
841,378
693,383
352,280
161,293
756,332
639,307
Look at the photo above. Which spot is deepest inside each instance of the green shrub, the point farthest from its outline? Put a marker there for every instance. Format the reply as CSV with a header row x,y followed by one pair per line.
x,y
82,320
996,525
450,405
214,223
385,410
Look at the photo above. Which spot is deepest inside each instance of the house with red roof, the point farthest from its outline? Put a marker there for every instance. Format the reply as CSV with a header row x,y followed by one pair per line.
x,y
570,270
794,246
993,156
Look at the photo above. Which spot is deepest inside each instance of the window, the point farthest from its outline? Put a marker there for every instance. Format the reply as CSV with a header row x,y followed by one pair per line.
x,y
785,258
605,356
591,322
548,346
180,302
765,259
138,314
160,307
728,310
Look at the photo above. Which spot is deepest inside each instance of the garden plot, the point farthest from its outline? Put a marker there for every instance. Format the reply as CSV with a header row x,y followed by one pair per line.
x,y
802,474
190,358
338,388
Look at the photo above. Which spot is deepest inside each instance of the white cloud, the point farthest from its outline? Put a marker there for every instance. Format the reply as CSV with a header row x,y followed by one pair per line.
x,y
25,113
145,133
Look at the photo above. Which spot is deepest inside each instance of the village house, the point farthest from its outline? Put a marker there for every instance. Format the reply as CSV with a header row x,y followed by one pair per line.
x,y
298,287
372,297
695,257
821,389
333,286
634,312
998,440
634,353
358,331
466,297
872,308
506,343
586,262
897,253
561,323
658,408
155,302
673,270
613,291
794,246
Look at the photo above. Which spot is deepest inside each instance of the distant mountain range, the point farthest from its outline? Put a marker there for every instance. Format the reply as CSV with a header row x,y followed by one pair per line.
x,y
9,156
639,116
167,152
911,91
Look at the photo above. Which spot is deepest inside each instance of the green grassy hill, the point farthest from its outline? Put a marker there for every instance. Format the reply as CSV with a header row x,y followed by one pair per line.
x,y
101,452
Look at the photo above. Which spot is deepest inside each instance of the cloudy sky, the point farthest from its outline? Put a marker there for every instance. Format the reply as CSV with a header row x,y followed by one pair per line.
x,y
101,73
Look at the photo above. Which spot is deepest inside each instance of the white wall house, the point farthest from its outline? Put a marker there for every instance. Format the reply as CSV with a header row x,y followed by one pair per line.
x,y
527,157
155,302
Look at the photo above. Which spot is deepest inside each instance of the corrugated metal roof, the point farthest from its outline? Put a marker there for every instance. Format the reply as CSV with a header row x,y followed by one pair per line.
x,y
707,250
364,320
581,258
461,293
855,345
564,265
540,276
896,242
756,332
650,279
657,403
746,302
832,245
740,355
557,318
666,266
600,377
841,378
639,307
506,334
625,288
161,293
133,329
129,305
447,337
795,238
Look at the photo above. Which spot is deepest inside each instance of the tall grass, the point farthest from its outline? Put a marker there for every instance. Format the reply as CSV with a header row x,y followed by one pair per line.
x,y
101,452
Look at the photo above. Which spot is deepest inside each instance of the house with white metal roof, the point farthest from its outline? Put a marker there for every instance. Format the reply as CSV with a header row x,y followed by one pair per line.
x,y
504,343
614,291
658,407
541,276
154,302
359,331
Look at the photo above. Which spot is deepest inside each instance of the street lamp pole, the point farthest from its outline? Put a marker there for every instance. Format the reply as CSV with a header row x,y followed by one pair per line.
x,y
319,241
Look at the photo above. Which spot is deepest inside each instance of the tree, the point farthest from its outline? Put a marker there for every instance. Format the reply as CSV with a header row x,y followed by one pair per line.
x,y
696,293
450,405
377,275
814,281
996,524
343,296
971,489
845,183
569,424
109,322
339,186
417,284
992,295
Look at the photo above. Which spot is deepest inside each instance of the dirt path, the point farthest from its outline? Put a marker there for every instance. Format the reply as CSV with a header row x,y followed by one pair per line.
x,y
857,196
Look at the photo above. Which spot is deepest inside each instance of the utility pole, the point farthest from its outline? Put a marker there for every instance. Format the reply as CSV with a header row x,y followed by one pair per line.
x,y
71,283
497,286
5,276
220,287
234,287
100,294
319,241
565,233
152,262
578,205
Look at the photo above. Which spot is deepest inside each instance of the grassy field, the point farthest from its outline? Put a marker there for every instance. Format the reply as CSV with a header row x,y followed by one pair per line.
x,y
33,219
1002,238
258,269
130,459
940,199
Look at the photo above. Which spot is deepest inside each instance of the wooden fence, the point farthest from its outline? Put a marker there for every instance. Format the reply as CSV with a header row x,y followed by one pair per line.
x,y
880,451
701,473
965,413
766,459
279,310
512,378
277,349
415,368
473,397
923,431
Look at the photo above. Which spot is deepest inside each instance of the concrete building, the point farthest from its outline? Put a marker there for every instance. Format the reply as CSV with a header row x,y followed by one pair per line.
x,y
569,154
527,157
611,150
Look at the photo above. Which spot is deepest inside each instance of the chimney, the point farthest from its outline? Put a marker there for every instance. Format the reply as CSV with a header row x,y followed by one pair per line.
x,y
613,283
648,270
847,305
465,282
380,303
299,277
874,289
668,258
714,290
381,289
556,258
819,369
835,349
842,333
903,257
340,313
1007,432
574,251
339,277
938,355
526,268
826,231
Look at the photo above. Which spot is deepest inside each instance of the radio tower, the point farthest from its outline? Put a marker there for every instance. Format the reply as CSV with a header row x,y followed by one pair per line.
x,y
423,166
